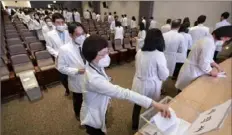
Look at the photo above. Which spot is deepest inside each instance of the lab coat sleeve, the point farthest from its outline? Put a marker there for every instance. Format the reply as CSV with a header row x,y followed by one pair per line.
x,y
50,48
163,71
181,47
63,66
206,57
190,42
103,86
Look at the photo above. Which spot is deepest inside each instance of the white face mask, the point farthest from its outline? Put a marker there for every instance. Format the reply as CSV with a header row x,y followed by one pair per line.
x,y
49,23
80,40
104,62
60,28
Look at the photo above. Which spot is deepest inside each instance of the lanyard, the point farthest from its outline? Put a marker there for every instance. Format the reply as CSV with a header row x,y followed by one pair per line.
x,y
97,71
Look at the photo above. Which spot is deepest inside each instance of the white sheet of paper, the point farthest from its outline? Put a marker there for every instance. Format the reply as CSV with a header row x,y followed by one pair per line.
x,y
164,123
216,117
173,129
221,74
183,127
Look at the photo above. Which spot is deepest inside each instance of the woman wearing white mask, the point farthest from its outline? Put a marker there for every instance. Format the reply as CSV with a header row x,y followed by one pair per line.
x,y
151,70
48,27
98,90
38,24
72,63
57,38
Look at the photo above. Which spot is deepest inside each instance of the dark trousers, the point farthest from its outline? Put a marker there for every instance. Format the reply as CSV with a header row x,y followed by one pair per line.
x,y
177,70
135,116
77,102
93,131
64,81
188,52
215,55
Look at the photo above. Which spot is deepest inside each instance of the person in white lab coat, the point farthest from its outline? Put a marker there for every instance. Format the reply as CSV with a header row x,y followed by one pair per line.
x,y
133,23
98,17
141,36
125,21
144,21
38,24
87,15
105,19
93,15
152,23
57,38
223,20
112,25
28,20
121,20
199,31
76,15
188,41
99,90
48,27
72,63
110,18
119,31
175,48
167,27
69,16
200,60
151,70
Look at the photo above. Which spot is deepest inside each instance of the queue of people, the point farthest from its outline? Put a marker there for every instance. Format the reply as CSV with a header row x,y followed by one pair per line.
x,y
177,50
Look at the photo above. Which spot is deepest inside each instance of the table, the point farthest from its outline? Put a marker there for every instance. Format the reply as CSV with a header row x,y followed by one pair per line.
x,y
207,92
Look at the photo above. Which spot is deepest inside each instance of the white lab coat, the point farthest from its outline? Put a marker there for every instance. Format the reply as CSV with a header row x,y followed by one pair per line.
x,y
124,22
69,17
151,71
198,32
112,26
69,62
152,24
86,15
198,62
188,41
28,21
119,33
140,39
133,24
110,19
166,28
38,27
222,23
144,22
77,17
54,42
46,29
174,43
64,13
98,17
94,16
96,96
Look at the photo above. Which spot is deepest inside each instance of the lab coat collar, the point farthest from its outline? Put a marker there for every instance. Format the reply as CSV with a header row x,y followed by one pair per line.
x,y
174,30
200,24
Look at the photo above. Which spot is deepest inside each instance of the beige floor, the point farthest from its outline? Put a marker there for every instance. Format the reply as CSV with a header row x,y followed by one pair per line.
x,y
53,115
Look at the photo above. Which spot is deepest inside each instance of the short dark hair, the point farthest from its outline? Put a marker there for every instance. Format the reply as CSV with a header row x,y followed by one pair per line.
x,y
168,21
186,19
154,41
176,24
57,16
183,28
225,31
115,12
109,13
125,15
115,17
73,25
195,23
47,17
122,15
133,18
92,45
201,19
118,24
225,15
151,18
141,26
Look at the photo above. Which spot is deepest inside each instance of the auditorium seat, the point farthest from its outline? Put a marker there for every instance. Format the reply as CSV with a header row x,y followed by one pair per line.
x,y
17,49
21,63
131,49
12,35
44,60
36,46
29,40
4,71
114,55
118,47
13,41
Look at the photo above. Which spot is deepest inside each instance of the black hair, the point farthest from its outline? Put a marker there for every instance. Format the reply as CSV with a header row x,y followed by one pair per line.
x,y
183,28
224,31
46,12
176,24
47,17
6,6
195,23
109,13
201,19
141,26
125,15
115,12
154,41
118,24
122,15
180,20
92,45
57,16
133,18
115,17
151,18
225,15
168,21
73,25
105,13
186,19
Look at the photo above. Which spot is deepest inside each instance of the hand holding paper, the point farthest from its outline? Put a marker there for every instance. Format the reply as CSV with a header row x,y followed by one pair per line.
x,y
164,109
